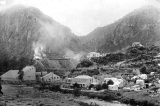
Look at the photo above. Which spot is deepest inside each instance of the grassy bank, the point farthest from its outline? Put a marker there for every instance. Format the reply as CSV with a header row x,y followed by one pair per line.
x,y
140,98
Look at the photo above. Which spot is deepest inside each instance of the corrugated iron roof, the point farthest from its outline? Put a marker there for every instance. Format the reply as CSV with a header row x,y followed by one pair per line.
x,y
11,74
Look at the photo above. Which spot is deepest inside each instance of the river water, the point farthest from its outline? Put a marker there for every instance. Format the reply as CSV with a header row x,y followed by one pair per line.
x,y
32,97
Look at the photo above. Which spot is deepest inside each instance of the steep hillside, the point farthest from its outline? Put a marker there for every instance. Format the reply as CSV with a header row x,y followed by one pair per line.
x,y
22,29
141,25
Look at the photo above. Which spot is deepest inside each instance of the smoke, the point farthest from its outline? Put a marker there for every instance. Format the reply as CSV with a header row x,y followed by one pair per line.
x,y
38,50
72,55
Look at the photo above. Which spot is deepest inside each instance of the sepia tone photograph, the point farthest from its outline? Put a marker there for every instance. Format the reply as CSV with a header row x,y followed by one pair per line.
x,y
79,52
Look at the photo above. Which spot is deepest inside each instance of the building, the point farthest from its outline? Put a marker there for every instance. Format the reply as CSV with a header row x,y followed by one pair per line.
x,y
68,80
51,77
11,75
116,83
41,73
137,44
29,73
93,54
136,71
104,54
157,56
115,80
84,80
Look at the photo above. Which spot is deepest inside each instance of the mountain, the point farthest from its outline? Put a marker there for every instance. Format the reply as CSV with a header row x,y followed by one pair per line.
x,y
23,29
141,25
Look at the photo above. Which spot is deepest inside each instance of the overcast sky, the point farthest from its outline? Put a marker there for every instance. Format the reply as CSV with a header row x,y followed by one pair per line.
x,y
83,16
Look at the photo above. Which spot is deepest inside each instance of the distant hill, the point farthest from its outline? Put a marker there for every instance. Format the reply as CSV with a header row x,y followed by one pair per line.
x,y
141,25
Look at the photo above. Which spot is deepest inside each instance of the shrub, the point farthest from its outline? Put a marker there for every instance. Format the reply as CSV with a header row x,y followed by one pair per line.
x,y
104,86
119,94
92,72
132,101
110,82
143,70
75,85
76,92
85,63
98,87
91,86
144,103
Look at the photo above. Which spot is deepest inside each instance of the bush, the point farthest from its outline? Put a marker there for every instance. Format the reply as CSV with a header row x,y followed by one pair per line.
x,y
76,92
75,85
143,70
119,94
132,101
91,86
92,72
98,87
104,86
110,82
85,63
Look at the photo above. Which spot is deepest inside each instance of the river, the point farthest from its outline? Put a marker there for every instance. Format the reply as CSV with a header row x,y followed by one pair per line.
x,y
28,96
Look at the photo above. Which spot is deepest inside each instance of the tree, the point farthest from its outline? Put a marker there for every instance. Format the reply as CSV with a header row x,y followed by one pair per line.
x,y
85,63
75,85
110,82
104,86
93,72
143,70
91,86
98,87
21,74
76,92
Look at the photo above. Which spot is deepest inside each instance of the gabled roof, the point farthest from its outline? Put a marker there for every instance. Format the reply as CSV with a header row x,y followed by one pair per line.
x,y
49,74
39,65
11,74
27,68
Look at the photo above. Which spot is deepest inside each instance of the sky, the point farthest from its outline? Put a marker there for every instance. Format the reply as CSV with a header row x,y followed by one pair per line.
x,y
83,16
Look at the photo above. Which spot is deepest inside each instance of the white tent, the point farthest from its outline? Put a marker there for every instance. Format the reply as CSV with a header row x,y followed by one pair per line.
x,y
11,75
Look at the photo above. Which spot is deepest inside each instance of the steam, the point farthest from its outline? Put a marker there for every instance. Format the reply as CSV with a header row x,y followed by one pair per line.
x,y
38,51
72,55
46,36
